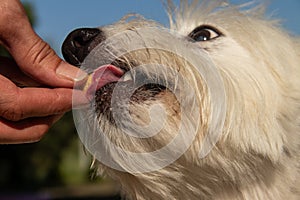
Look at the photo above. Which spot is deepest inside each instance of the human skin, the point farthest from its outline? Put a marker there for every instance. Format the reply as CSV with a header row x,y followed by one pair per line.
x,y
36,85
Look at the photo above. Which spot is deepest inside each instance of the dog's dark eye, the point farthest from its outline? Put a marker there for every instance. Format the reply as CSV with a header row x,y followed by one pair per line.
x,y
204,33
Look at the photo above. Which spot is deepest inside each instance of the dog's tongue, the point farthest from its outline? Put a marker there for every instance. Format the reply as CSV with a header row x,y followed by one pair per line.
x,y
100,77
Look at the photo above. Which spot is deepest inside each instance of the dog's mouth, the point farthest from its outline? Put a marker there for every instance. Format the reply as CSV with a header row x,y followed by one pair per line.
x,y
100,86
102,76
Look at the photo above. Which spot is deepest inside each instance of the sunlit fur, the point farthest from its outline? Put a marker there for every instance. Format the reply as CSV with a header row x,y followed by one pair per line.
x,y
257,156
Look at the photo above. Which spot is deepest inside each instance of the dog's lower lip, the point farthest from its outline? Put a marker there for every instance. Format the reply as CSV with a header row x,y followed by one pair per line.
x,y
100,77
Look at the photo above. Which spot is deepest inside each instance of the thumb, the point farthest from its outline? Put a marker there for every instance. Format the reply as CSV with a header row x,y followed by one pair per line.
x,y
38,60
34,56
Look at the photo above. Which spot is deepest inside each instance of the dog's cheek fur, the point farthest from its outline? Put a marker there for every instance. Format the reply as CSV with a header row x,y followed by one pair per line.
x,y
262,103
252,106
260,92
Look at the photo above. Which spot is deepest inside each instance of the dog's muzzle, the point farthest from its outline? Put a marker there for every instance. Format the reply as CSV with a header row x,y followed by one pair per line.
x,y
79,43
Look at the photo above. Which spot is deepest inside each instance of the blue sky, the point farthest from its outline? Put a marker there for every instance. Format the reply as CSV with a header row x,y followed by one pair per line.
x,y
56,18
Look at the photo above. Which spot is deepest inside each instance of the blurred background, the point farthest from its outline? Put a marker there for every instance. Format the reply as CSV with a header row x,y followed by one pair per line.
x,y
57,167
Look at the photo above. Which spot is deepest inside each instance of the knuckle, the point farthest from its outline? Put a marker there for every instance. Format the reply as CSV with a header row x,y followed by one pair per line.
x,y
12,113
10,109
60,104
40,53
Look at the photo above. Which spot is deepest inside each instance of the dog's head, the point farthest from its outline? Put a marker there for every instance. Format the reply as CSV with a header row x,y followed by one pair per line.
x,y
217,78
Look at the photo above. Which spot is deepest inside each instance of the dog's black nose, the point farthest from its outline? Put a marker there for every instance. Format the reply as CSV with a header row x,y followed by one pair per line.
x,y
79,44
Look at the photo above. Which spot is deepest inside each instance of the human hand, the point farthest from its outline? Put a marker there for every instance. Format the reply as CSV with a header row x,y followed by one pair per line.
x,y
36,88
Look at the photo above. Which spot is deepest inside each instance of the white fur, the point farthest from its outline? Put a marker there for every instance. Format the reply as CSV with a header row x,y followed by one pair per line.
x,y
257,156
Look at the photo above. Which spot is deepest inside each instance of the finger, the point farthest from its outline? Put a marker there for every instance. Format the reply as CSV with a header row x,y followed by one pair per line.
x,y
10,70
19,103
39,102
25,131
35,57
38,60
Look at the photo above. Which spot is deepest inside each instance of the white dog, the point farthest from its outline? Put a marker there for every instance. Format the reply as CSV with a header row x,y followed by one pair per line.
x,y
223,79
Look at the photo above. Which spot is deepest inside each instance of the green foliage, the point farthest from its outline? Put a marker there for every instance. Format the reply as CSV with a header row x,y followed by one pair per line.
x,y
4,52
56,160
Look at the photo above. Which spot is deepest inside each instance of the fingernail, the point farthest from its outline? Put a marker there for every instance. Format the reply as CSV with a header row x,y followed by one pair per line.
x,y
70,72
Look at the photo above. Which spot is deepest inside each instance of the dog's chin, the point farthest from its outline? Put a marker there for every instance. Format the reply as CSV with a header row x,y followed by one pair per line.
x,y
104,96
